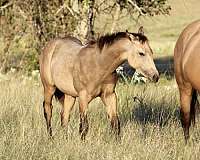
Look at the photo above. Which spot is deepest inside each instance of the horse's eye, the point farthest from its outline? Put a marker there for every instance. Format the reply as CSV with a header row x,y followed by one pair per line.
x,y
141,54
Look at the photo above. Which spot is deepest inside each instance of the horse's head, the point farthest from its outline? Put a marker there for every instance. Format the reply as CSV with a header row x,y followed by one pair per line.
x,y
140,55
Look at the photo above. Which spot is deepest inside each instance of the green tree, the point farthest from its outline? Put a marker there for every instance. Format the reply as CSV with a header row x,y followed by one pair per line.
x,y
34,22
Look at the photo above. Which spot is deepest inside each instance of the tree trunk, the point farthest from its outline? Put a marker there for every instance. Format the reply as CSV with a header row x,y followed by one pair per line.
x,y
90,21
81,29
86,20
38,20
115,18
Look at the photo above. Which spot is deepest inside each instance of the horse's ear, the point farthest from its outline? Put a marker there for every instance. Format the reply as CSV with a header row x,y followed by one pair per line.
x,y
141,30
126,30
132,38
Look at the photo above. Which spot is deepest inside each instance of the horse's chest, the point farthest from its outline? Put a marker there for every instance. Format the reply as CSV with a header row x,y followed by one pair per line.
x,y
94,89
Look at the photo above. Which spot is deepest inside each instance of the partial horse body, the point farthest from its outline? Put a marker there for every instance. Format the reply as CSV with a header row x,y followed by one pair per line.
x,y
69,69
187,73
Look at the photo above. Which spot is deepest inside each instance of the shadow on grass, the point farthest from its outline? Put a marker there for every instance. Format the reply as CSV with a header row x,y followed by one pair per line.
x,y
165,65
155,114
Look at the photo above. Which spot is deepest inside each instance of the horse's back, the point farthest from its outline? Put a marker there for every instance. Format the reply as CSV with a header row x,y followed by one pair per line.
x,y
185,36
57,59
186,55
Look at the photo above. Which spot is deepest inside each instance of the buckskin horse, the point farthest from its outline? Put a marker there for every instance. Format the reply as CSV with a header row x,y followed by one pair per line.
x,y
187,72
69,70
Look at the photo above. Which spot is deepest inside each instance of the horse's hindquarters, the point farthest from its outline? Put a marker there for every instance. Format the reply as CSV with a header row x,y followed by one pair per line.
x,y
187,73
65,84
61,70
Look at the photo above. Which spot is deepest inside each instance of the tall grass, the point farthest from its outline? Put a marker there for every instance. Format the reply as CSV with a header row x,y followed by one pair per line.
x,y
150,127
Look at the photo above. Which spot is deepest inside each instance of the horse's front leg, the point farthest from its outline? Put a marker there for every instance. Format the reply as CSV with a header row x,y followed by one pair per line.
x,y
110,101
66,109
83,103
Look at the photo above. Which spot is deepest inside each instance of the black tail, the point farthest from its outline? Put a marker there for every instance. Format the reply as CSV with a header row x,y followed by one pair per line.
x,y
194,106
59,96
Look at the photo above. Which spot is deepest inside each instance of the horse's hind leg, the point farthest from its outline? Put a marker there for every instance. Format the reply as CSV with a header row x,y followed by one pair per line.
x,y
193,106
83,104
47,105
66,108
110,101
185,99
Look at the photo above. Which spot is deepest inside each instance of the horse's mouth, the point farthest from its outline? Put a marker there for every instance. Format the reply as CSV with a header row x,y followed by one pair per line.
x,y
151,77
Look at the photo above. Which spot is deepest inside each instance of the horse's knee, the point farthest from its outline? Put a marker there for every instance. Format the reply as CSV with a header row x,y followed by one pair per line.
x,y
84,126
47,106
64,119
115,124
185,118
186,122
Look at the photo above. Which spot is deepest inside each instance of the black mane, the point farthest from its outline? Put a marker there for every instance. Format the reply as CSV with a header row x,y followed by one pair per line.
x,y
141,37
109,39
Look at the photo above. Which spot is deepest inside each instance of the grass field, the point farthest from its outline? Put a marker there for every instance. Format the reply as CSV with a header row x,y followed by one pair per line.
x,y
150,126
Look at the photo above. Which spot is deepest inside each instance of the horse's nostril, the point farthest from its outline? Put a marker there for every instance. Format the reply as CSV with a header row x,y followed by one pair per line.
x,y
155,78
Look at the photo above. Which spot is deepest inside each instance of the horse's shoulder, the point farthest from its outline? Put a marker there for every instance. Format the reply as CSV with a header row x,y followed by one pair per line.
x,y
111,78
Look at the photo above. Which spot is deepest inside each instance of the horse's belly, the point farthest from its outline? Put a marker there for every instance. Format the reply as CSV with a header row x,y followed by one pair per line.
x,y
67,88
64,82
191,75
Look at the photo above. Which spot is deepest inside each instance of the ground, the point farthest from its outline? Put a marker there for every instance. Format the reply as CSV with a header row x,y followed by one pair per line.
x,y
150,125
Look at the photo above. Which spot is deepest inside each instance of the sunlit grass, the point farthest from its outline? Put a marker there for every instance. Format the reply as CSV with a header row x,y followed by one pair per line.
x,y
150,127
149,113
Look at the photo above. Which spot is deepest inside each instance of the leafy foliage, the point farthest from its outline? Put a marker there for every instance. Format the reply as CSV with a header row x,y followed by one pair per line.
x,y
41,20
144,7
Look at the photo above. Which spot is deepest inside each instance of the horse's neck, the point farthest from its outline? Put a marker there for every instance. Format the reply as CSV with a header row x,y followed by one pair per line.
x,y
111,59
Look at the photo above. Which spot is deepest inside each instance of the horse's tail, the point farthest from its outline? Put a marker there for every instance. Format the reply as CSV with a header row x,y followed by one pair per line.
x,y
59,96
194,106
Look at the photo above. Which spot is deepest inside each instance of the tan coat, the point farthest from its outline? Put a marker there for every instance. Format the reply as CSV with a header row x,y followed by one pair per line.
x,y
187,72
69,69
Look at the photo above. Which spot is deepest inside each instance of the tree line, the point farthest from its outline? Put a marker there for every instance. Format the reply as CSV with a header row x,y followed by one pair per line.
x,y
26,25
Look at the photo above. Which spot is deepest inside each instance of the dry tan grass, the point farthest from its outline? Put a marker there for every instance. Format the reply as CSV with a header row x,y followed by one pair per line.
x,y
150,128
